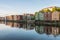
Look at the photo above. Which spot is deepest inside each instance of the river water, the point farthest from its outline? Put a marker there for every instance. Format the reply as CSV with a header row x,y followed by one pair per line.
x,y
19,31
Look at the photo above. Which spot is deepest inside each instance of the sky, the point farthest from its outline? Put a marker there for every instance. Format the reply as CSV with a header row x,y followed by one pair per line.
x,y
15,7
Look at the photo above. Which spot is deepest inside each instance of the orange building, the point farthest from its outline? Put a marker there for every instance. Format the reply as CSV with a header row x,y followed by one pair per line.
x,y
55,15
14,17
10,17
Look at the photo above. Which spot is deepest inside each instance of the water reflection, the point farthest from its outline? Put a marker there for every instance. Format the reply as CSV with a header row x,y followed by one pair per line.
x,y
1,22
49,30
34,31
20,25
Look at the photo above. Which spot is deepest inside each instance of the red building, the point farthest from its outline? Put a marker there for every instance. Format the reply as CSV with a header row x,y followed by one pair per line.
x,y
48,16
19,17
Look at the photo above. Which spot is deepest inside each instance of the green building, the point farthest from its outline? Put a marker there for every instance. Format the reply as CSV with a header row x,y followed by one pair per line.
x,y
39,16
36,15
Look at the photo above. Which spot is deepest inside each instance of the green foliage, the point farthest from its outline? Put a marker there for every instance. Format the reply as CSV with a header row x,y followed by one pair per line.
x,y
36,13
58,9
52,9
46,10
42,11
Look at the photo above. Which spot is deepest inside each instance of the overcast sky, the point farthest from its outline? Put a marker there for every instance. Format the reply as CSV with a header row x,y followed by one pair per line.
x,y
9,7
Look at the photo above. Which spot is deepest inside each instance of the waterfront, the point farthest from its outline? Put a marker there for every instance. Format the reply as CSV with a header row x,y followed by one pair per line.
x,y
29,19
19,31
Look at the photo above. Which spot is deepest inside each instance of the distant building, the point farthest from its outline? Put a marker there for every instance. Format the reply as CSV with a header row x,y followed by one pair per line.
x,y
18,17
28,16
2,18
14,17
10,17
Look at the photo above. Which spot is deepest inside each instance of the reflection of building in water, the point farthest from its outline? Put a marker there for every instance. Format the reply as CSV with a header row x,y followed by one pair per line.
x,y
28,26
55,31
39,29
13,24
10,24
19,25
48,30
1,22
16,25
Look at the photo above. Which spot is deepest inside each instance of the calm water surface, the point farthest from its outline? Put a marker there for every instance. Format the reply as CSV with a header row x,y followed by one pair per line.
x,y
19,31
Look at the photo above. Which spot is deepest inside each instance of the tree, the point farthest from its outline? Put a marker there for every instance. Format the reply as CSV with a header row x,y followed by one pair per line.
x,y
45,10
58,9
54,9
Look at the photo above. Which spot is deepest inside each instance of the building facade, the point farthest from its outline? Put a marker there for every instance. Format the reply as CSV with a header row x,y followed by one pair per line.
x,y
48,16
28,16
40,16
36,15
56,15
